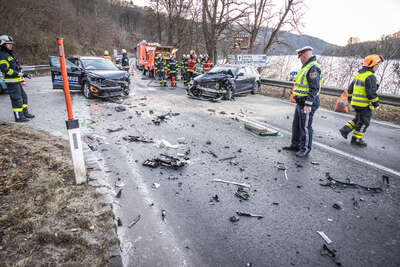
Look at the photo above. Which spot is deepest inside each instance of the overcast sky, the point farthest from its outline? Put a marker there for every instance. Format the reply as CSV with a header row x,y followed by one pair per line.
x,y
335,21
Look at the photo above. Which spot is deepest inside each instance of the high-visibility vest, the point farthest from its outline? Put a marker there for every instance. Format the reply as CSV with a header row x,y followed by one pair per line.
x,y
207,66
359,97
191,64
301,87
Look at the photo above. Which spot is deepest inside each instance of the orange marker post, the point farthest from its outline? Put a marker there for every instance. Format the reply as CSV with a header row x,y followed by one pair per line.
x,y
72,124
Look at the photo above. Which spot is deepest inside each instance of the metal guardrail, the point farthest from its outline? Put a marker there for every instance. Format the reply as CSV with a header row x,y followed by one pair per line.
x,y
328,90
35,68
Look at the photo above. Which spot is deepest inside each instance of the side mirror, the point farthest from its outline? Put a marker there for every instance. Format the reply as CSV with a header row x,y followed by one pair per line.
x,y
75,68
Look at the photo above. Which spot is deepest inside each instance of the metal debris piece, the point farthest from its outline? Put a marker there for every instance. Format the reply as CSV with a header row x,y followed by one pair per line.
x,y
325,237
118,195
314,163
242,194
166,161
212,153
133,138
215,198
260,129
135,221
331,253
338,205
181,140
249,215
234,219
228,158
120,108
333,183
115,130
156,185
275,203
208,142
230,182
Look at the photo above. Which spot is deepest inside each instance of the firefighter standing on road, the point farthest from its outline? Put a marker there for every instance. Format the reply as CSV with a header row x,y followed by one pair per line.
x,y
190,67
162,66
207,64
107,55
172,69
306,94
364,98
125,60
13,77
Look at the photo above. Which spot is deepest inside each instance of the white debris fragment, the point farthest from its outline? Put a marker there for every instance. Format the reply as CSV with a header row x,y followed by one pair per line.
x,y
156,185
230,182
325,237
165,144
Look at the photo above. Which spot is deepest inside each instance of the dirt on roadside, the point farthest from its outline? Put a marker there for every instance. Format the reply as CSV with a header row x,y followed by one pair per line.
x,y
46,220
384,113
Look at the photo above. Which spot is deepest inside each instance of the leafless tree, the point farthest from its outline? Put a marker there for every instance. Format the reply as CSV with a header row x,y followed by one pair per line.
x,y
289,16
217,16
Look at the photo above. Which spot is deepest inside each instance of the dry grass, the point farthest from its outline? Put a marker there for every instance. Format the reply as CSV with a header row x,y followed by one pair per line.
x,y
384,113
46,220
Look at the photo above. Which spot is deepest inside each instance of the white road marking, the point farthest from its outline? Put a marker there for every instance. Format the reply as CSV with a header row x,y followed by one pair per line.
x,y
337,151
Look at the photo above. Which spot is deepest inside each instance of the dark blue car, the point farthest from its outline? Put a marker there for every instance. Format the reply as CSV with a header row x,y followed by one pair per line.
x,y
94,76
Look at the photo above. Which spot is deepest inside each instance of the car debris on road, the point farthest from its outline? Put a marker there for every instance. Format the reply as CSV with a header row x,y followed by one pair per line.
x,y
325,237
249,215
134,138
135,221
120,108
333,183
242,194
331,253
230,182
165,161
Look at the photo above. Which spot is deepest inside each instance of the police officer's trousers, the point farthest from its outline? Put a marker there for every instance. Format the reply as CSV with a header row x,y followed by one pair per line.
x,y
302,131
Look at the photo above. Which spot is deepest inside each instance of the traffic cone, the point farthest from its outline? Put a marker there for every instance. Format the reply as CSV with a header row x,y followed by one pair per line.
x,y
342,104
173,81
291,95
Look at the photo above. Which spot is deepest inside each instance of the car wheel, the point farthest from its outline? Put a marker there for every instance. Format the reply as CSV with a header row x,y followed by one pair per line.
x,y
86,91
229,93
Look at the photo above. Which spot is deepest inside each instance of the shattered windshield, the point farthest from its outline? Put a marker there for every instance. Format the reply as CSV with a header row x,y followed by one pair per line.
x,y
98,64
224,69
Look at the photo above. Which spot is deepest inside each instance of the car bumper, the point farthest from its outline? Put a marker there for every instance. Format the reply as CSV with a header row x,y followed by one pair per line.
x,y
105,92
211,90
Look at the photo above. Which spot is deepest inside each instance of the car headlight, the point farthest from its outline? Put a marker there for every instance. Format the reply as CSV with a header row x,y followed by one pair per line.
x,y
217,86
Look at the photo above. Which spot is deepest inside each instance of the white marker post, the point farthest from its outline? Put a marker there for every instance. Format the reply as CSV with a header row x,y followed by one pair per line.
x,y
72,124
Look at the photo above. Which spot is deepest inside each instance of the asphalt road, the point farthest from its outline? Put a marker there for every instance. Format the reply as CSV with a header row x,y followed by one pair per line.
x,y
197,232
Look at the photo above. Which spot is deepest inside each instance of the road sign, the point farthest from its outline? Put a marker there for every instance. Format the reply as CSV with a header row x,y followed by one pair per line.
x,y
258,61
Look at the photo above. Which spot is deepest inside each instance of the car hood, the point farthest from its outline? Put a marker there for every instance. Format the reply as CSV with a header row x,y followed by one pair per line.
x,y
212,77
109,74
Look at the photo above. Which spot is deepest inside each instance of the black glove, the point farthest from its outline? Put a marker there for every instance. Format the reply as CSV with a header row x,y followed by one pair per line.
x,y
27,75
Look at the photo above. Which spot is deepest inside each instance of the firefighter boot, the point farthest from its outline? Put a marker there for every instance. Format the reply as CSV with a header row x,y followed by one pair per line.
x,y
344,131
19,117
358,142
27,114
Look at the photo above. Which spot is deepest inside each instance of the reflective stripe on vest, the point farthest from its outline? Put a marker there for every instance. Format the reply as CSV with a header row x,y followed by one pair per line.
x,y
359,97
13,80
301,87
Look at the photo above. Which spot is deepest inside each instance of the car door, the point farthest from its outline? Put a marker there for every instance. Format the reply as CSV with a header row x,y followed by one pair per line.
x,y
240,80
250,78
73,71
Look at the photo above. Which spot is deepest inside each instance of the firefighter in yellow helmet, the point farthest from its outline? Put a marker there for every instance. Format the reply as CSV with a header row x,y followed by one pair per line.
x,y
364,98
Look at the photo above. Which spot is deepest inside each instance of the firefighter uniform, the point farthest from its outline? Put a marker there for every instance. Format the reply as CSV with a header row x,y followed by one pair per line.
x,y
306,93
125,61
157,67
13,77
362,94
207,65
191,64
184,70
162,66
172,69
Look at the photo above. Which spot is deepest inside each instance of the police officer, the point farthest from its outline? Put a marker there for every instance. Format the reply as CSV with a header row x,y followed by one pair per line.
x,y
306,94
363,96
172,69
13,77
125,60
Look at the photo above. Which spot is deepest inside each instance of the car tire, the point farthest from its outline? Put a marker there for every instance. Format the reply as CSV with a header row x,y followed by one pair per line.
x,y
229,94
86,91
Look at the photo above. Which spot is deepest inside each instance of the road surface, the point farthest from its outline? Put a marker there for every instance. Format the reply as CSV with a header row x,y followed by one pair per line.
x,y
197,230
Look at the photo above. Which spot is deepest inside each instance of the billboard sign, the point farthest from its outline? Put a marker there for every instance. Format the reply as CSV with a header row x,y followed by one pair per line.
x,y
258,60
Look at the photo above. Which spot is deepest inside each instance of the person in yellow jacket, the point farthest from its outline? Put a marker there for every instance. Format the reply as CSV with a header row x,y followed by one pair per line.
x,y
306,94
362,94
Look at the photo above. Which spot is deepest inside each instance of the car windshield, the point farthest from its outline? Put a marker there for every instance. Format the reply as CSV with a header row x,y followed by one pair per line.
x,y
225,69
98,64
